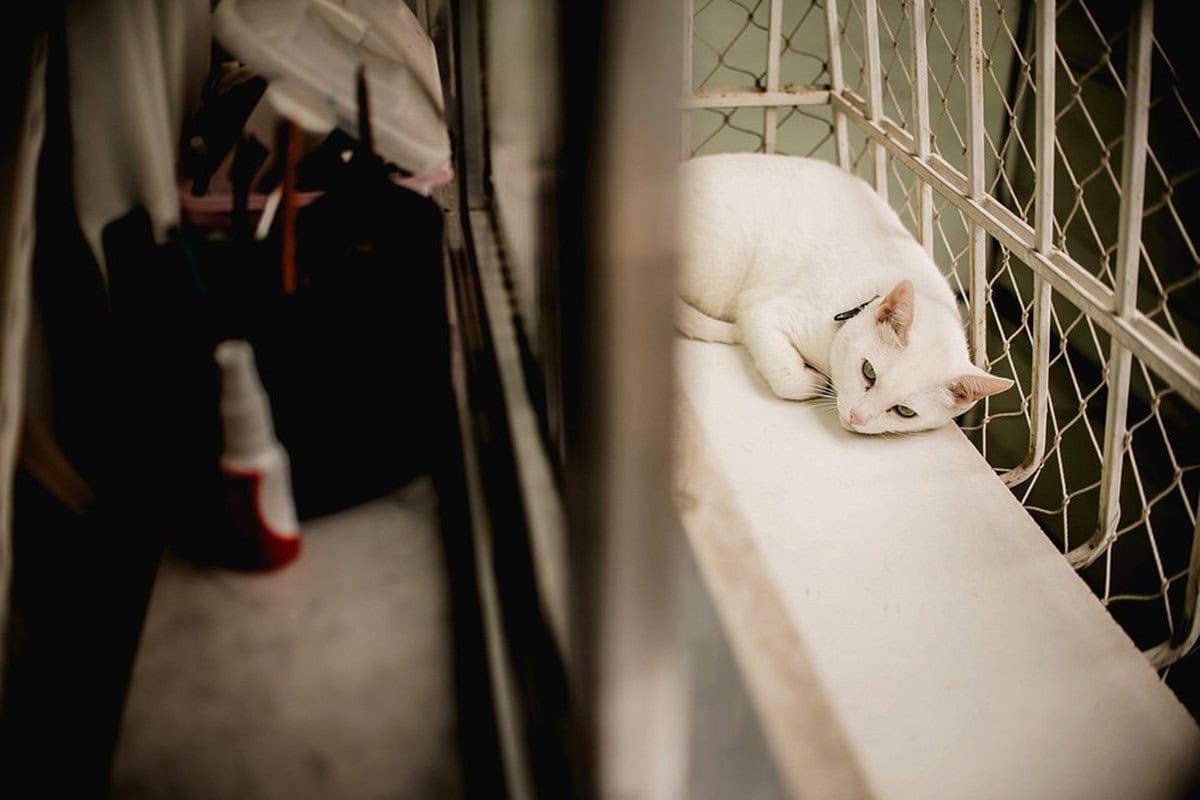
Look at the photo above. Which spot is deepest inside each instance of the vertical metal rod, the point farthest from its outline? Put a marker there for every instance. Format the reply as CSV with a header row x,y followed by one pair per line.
x,y
1043,228
837,83
774,34
976,184
1129,239
1133,159
689,42
920,112
1188,632
1044,144
875,94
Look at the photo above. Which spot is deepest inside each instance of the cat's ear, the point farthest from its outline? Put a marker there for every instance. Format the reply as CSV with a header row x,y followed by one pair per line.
x,y
896,311
976,385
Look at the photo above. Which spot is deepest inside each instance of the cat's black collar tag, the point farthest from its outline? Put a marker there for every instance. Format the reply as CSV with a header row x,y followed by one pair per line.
x,y
853,312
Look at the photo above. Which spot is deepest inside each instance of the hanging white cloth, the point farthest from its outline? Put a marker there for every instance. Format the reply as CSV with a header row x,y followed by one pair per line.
x,y
317,46
18,180
136,70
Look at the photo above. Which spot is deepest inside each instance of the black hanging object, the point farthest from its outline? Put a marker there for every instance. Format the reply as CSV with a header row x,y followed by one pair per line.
x,y
356,361
248,157
364,111
216,128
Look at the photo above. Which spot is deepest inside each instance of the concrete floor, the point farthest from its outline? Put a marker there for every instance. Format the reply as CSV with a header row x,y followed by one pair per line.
x,y
331,678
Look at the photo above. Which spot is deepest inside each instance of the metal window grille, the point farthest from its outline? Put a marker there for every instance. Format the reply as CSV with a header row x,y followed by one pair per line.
x,y
1044,154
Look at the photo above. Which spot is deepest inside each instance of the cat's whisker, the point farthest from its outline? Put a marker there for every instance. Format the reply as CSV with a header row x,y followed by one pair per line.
x,y
821,372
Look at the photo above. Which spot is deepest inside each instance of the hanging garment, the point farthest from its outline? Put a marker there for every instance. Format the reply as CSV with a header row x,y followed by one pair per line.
x,y
118,80
136,71
22,140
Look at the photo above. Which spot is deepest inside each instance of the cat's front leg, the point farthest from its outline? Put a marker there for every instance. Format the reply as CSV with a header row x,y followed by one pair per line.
x,y
764,332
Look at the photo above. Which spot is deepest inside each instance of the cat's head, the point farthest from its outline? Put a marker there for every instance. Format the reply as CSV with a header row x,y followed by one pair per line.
x,y
897,370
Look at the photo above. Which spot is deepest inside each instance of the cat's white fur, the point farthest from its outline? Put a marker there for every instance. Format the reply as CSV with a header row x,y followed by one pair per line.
x,y
774,247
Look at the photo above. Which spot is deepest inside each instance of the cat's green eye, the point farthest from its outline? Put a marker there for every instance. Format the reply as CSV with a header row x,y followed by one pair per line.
x,y
904,411
868,371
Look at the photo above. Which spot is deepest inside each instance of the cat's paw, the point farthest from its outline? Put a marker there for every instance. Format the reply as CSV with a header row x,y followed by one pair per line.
x,y
799,382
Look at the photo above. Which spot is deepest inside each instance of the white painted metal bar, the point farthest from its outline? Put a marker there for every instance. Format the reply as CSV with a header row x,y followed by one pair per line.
x,y
976,183
875,92
1187,633
1043,209
837,83
1129,239
1039,392
1160,351
749,98
689,42
1043,228
1190,629
920,113
774,34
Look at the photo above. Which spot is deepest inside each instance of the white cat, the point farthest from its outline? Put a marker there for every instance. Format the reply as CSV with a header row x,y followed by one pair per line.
x,y
816,275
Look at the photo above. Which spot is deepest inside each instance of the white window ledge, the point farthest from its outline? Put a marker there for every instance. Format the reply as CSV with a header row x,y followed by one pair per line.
x,y
904,628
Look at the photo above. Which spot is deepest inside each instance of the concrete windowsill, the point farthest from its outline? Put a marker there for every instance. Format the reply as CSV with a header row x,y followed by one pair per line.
x,y
904,628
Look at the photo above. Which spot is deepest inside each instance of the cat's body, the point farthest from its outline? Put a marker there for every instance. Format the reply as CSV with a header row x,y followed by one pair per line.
x,y
773,248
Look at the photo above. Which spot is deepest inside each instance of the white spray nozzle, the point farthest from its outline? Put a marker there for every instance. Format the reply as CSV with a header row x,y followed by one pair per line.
x,y
245,412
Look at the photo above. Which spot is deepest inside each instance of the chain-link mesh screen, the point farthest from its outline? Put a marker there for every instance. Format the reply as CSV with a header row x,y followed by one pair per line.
x,y
1141,577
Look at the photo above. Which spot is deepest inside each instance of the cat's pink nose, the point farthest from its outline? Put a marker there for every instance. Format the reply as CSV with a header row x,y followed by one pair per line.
x,y
855,418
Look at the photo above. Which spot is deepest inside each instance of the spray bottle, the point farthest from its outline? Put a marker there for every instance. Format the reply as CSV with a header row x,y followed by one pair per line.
x,y
255,465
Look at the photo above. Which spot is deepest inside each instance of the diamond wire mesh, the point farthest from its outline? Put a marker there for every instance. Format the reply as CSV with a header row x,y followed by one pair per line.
x,y
1170,276
804,130
800,63
730,46
731,39
1141,578
947,88
729,51
902,194
895,57
1158,501
852,35
1009,92
1090,99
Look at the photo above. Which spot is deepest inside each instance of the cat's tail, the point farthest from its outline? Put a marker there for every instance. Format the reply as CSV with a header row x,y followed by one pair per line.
x,y
694,323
